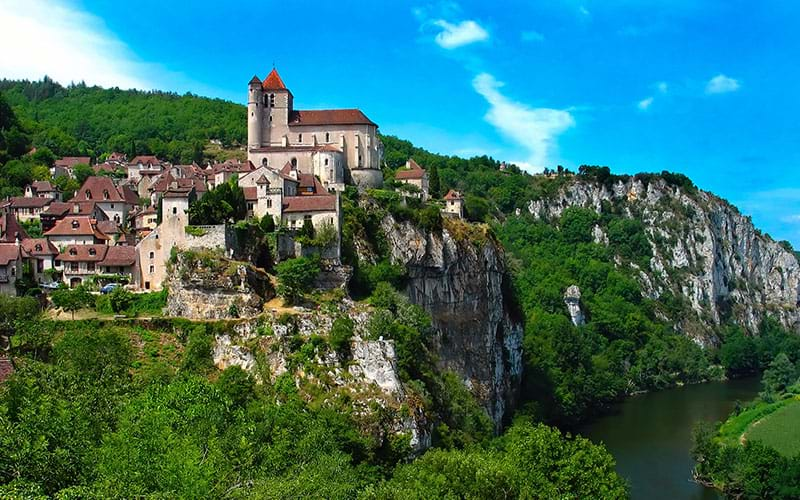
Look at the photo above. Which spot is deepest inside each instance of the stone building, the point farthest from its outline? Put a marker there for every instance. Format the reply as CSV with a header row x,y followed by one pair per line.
x,y
115,201
454,204
336,145
414,175
12,258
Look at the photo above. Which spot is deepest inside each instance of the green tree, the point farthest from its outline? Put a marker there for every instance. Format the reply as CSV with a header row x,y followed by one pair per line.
x,y
71,300
295,276
81,172
121,300
780,374
434,183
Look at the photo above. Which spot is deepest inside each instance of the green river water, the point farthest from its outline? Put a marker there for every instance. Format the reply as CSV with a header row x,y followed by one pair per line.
x,y
650,436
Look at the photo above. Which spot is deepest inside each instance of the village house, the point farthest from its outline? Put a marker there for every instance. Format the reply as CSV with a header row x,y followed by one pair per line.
x,y
42,189
27,208
414,175
10,229
43,253
115,201
77,263
76,230
453,204
336,145
64,166
145,166
12,257
58,210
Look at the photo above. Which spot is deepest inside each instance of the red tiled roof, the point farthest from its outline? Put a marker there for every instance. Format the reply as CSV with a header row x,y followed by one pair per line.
x,y
62,208
250,193
330,117
83,253
99,187
39,246
10,252
453,195
128,194
32,202
320,203
108,227
410,171
145,160
310,181
106,167
71,161
10,228
43,187
120,256
84,227
273,81
254,80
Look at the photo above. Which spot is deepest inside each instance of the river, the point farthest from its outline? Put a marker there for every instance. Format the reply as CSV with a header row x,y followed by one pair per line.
x,y
650,436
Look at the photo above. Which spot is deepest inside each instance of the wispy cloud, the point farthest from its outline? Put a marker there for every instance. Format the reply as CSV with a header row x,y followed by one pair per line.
x,y
535,129
52,38
531,36
722,84
644,104
584,11
453,36
662,87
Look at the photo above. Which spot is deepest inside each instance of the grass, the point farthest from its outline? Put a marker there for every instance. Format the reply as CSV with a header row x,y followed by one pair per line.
x,y
779,430
734,428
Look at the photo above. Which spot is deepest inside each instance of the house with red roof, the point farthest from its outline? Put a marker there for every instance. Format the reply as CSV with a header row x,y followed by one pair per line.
x,y
336,145
115,201
453,204
76,230
42,189
43,255
145,166
64,166
10,229
414,175
12,260
27,208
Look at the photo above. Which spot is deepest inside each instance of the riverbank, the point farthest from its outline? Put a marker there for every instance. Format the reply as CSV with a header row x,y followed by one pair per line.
x,y
649,435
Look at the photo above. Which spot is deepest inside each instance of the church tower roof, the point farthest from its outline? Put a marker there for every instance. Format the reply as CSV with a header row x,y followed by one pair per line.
x,y
273,81
255,80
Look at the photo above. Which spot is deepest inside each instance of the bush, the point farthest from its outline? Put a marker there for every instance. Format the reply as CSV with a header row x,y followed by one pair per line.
x,y
295,277
340,335
120,300
197,356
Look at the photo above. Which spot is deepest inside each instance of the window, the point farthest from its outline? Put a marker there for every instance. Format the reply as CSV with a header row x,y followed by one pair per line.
x,y
326,162
264,162
75,224
73,267
294,162
73,251
270,118
112,205
174,210
152,255
38,247
152,269
272,100
327,137
250,205
88,194
92,251
147,285
299,137
13,270
105,194
90,266
269,203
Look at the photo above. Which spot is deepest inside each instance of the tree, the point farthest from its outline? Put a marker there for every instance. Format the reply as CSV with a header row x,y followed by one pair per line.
x,y
434,184
295,276
82,171
121,300
781,374
71,300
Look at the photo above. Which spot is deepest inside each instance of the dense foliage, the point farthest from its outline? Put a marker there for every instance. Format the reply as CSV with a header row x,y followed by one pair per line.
x,y
92,121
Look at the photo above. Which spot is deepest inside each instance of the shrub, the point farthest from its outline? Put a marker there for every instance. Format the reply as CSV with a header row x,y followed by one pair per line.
x,y
295,276
341,333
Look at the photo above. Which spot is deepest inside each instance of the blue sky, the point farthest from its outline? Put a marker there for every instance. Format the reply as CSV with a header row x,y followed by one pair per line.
x,y
704,88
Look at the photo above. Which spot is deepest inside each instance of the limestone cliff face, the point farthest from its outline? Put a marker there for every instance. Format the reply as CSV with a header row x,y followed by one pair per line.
x,y
366,378
459,276
212,287
703,250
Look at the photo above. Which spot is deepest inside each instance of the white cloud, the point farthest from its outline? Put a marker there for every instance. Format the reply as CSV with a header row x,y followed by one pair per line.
x,y
722,84
644,104
52,38
662,87
583,10
453,36
531,36
535,129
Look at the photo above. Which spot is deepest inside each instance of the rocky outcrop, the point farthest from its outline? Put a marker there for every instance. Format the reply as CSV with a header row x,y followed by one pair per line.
x,y
572,299
205,285
366,378
704,251
458,275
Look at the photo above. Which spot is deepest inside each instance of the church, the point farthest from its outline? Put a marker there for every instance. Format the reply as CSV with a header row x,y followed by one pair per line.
x,y
338,146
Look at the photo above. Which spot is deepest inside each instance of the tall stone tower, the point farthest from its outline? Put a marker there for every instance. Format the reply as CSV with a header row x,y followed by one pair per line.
x,y
278,103
255,113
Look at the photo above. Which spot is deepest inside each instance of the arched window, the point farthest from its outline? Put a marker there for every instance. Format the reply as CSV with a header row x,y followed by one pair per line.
x,y
88,194
38,247
264,162
272,100
152,255
294,162
105,194
326,162
73,251
327,137
92,251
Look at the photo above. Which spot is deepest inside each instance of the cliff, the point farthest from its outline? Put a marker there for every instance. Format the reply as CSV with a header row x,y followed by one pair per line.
x,y
458,276
704,252
205,285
